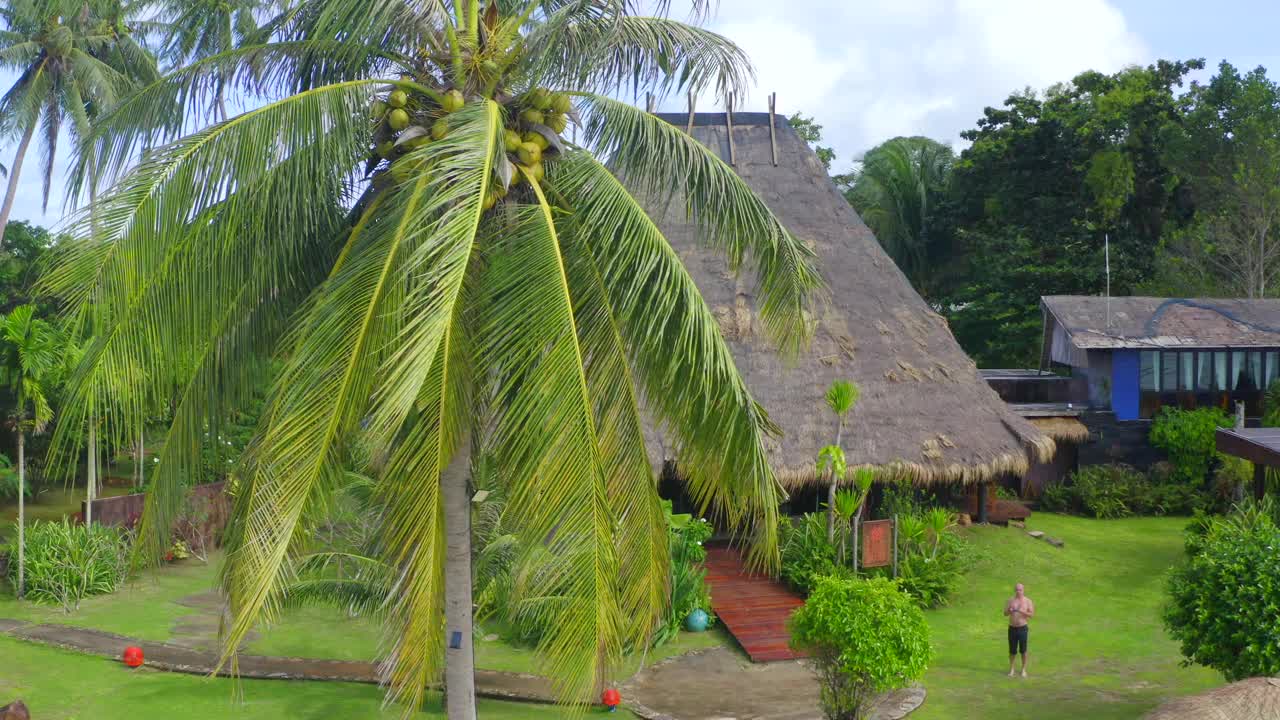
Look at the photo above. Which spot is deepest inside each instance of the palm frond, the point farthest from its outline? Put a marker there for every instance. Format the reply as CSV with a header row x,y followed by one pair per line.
x,y
680,360
658,160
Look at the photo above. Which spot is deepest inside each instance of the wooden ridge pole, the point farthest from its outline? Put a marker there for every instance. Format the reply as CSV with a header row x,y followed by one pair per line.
x,y
773,133
733,155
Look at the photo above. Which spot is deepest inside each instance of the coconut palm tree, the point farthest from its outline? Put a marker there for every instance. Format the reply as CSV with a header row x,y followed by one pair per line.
x,y
31,362
896,192
401,220
63,52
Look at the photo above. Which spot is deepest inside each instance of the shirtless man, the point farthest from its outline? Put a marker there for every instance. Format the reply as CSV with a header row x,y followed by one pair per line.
x,y
1020,610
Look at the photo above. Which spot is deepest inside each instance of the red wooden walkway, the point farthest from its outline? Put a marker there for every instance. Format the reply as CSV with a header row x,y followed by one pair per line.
x,y
754,608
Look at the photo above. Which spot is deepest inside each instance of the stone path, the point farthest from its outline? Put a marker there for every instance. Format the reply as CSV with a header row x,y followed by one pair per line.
x,y
176,658
720,684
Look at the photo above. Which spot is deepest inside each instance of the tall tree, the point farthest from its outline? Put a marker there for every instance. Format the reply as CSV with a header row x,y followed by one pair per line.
x,y
811,132
1227,149
1049,181
897,191
62,51
193,30
449,260
31,362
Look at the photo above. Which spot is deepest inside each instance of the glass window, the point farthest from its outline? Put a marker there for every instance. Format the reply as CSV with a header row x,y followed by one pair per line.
x,y
1220,371
1187,368
1273,366
1169,371
1150,370
1237,370
1204,371
1255,369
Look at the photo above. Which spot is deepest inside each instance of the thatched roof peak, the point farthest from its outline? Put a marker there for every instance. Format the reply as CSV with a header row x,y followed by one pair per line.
x,y
924,412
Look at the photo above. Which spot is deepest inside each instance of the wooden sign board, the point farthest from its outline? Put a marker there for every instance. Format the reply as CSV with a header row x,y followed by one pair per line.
x,y
877,543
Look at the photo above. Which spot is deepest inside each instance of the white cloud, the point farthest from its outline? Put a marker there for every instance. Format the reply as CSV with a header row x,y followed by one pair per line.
x,y
869,70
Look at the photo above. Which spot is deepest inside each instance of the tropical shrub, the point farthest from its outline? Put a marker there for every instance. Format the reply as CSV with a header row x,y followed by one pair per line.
x,y
864,637
1222,603
1059,497
66,563
899,499
807,554
931,558
1105,491
1187,437
689,589
1114,490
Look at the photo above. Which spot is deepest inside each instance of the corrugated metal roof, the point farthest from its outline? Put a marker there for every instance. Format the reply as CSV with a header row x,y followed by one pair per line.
x,y
1145,322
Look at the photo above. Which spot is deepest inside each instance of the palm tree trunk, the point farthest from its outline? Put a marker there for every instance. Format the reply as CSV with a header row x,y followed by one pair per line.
x,y
12,192
142,465
831,492
91,459
460,660
22,514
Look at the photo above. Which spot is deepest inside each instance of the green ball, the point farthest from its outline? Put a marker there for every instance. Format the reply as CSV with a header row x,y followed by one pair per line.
x,y
398,119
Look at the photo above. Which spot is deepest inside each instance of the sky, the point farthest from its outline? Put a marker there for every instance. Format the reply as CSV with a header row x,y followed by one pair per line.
x,y
870,70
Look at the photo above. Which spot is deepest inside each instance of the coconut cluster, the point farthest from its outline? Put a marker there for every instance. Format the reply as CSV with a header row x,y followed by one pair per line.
x,y
531,135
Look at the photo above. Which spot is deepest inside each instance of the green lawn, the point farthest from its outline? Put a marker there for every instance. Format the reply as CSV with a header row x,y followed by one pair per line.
x,y
59,685
1098,649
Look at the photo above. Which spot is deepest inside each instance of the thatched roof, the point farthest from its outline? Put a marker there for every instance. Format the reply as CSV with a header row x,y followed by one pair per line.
x,y
1062,429
924,412
1252,699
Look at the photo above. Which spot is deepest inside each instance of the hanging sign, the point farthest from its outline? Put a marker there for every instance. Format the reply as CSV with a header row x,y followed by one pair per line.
x,y
877,543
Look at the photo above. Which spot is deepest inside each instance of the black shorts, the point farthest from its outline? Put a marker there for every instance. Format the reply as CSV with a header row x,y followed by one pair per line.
x,y
1017,640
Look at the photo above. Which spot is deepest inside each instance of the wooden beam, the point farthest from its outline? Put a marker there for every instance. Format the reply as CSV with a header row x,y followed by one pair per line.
x,y
1260,446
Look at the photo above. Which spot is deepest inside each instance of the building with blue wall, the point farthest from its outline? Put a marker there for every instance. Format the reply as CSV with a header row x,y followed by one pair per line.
x,y
1132,356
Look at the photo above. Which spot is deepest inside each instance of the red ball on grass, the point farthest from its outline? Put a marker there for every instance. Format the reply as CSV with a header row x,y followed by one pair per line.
x,y
133,656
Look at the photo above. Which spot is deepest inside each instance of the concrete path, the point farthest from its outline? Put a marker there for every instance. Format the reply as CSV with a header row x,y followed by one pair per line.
x,y
720,684
175,658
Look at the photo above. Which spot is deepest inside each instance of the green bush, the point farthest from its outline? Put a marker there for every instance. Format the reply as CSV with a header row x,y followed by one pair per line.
x,y
807,555
864,637
1060,497
1187,437
1105,491
1222,604
67,563
899,499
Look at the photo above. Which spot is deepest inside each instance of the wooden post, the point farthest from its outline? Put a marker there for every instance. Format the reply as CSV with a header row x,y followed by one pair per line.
x,y
895,547
773,133
733,155
1259,481
982,503
689,129
856,547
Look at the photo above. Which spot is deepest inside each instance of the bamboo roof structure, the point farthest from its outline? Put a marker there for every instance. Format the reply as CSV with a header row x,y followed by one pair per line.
x,y
924,413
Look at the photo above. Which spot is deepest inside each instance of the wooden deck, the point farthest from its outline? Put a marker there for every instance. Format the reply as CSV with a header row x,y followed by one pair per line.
x,y
754,608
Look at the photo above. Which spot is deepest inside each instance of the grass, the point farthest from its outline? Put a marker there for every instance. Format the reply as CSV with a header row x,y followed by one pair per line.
x,y
59,685
1098,648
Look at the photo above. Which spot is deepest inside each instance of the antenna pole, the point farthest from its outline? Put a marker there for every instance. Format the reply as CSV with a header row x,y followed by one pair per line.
x,y
1106,245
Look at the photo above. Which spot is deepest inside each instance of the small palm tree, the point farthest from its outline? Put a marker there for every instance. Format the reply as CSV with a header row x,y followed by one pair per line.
x,y
848,505
63,53
402,218
31,364
938,520
840,397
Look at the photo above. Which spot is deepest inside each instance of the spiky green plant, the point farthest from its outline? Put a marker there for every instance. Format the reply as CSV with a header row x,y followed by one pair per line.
x,y
840,397
403,222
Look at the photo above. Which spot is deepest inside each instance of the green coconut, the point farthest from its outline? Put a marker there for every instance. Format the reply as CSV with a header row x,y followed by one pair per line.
x,y
490,200
490,67
533,117
540,99
398,119
561,103
386,149
536,138
511,140
378,110
453,101
537,170
529,153
557,122
439,129
397,99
